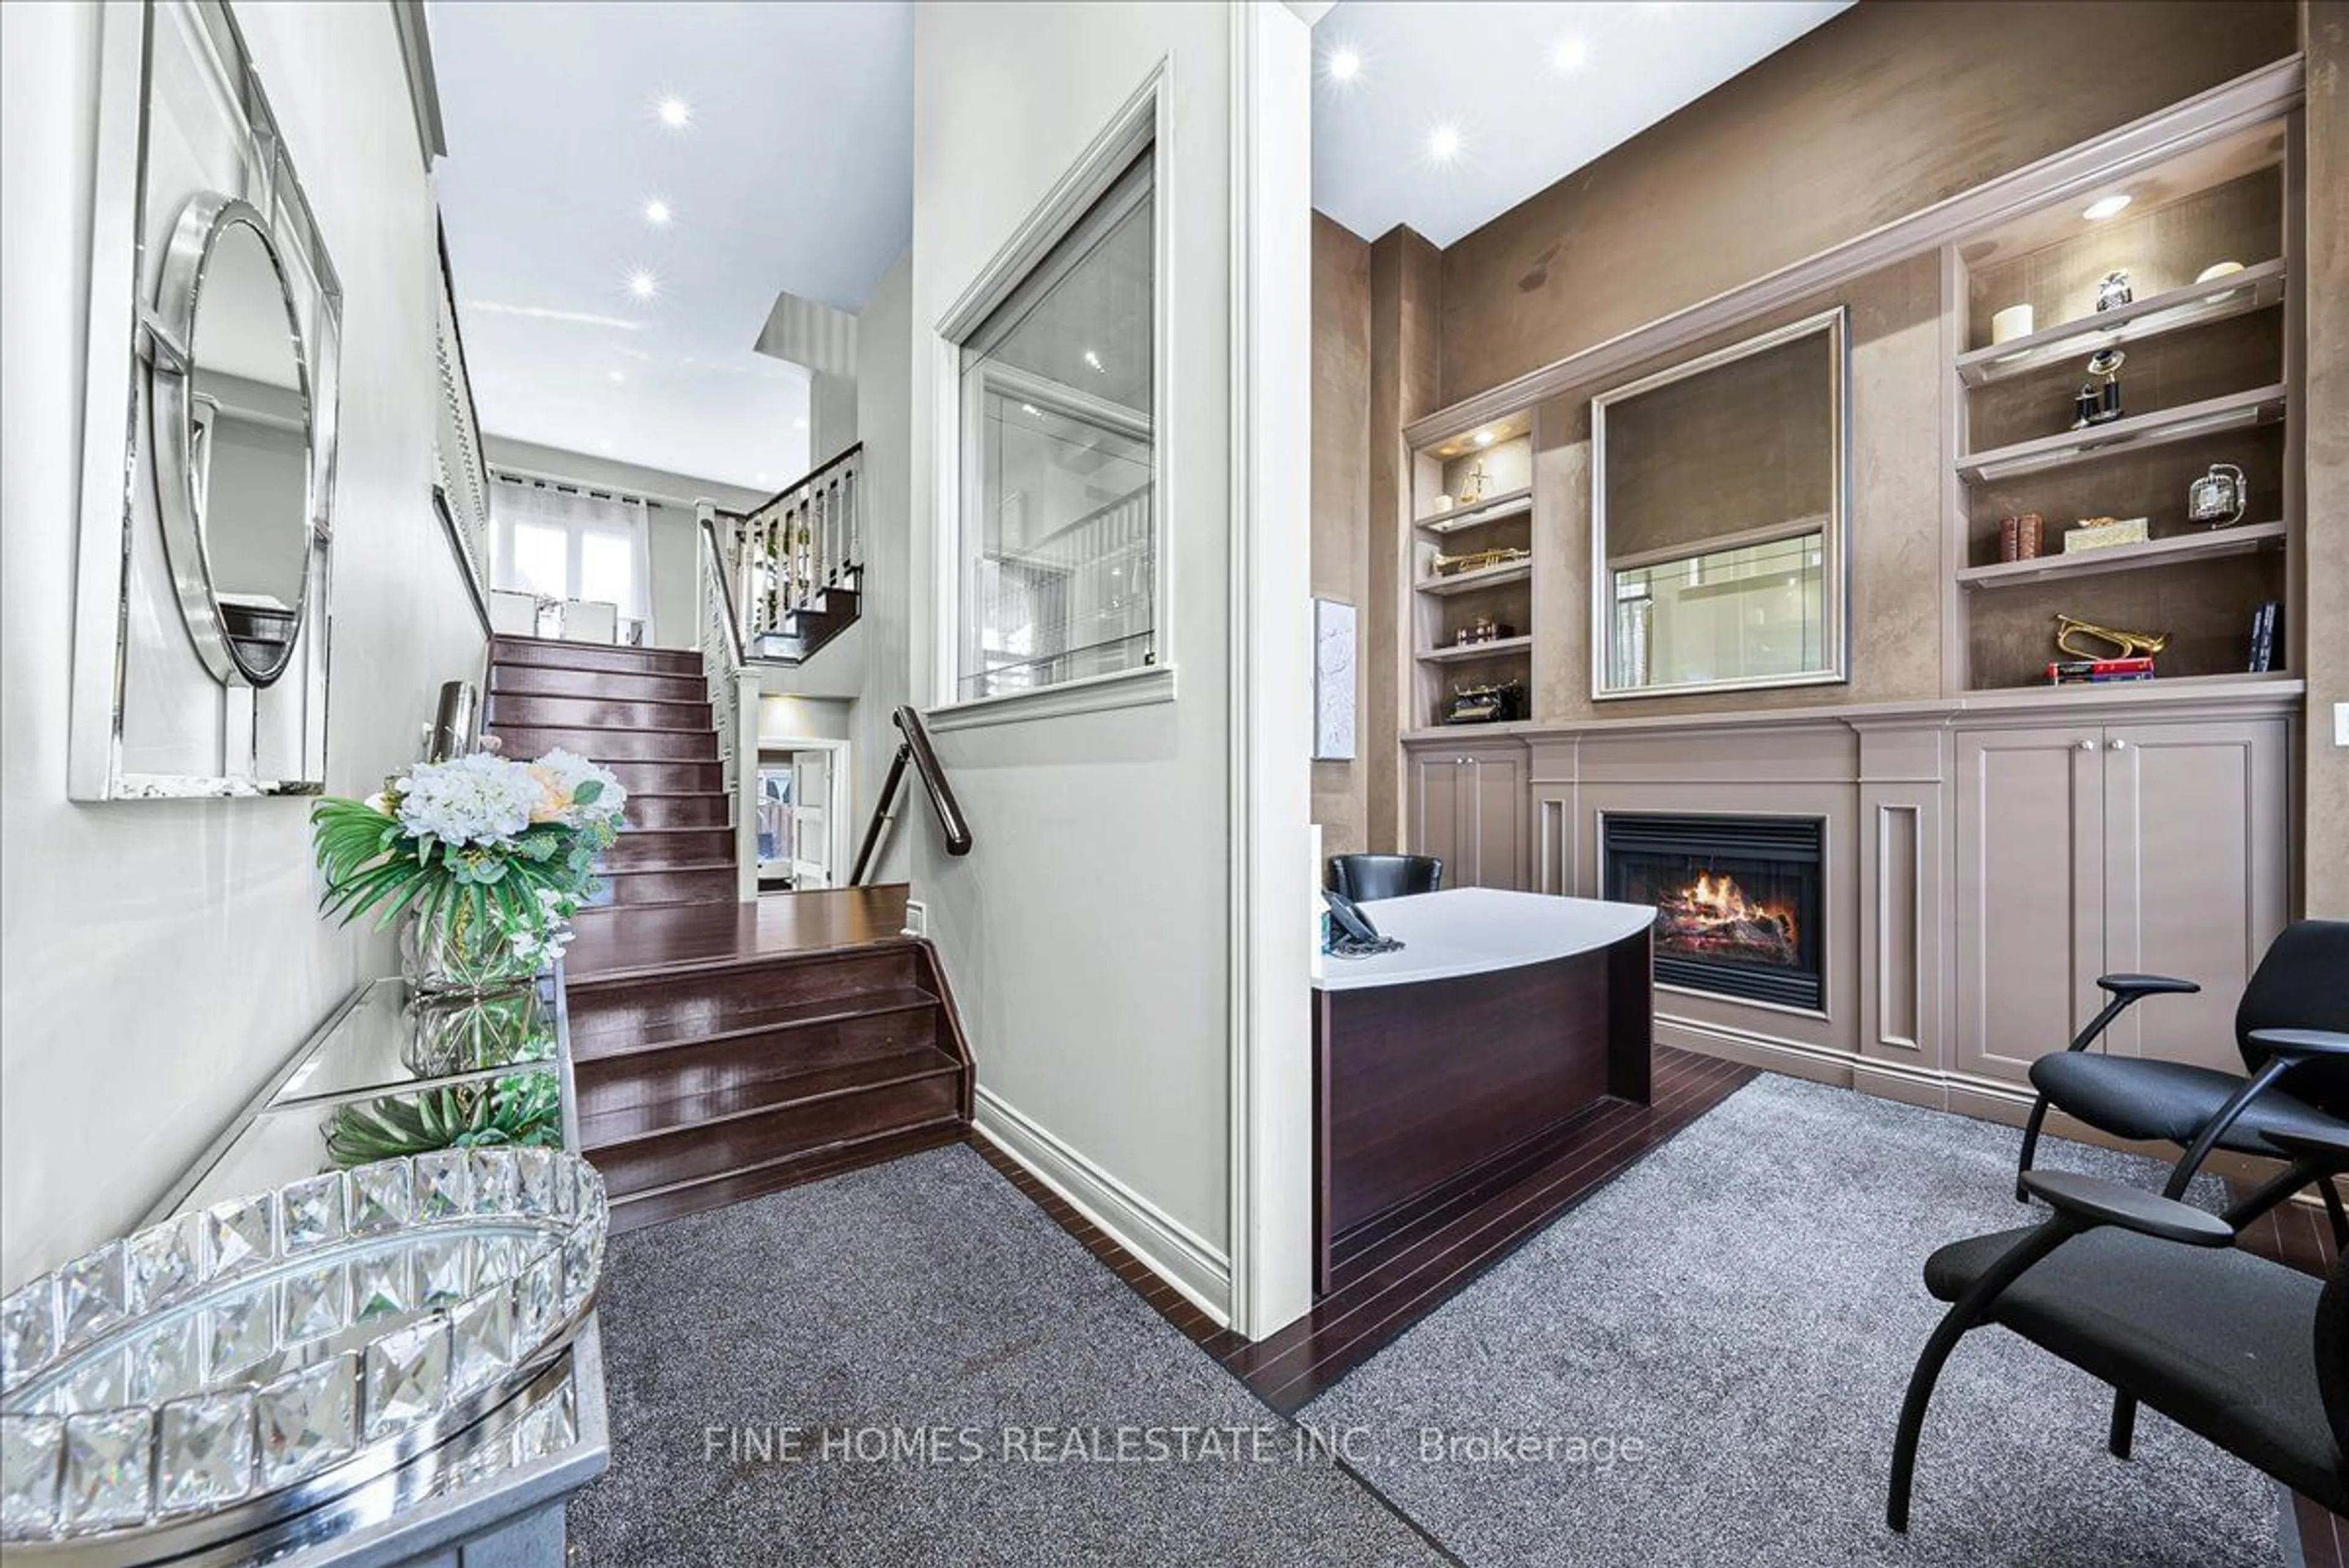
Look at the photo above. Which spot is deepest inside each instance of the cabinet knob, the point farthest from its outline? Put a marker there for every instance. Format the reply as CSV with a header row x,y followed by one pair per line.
x,y
2117,745
2087,745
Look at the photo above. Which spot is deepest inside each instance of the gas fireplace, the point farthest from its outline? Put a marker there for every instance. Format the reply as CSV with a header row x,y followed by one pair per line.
x,y
1738,900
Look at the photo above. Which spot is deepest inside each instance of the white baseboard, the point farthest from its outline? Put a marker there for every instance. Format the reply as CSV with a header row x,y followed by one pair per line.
x,y
1166,1247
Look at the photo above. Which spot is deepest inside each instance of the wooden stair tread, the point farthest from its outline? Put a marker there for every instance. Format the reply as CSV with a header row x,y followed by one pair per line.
x,y
603,1132
680,865
717,963
693,1195
587,1044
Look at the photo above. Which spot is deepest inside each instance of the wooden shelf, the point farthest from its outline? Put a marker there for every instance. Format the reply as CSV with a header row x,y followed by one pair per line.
x,y
1465,652
1492,509
2235,541
2260,405
2244,683
2254,289
1467,582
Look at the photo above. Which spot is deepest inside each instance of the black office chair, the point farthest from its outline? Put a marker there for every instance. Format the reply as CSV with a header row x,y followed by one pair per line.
x,y
2300,985
1364,877
2152,1296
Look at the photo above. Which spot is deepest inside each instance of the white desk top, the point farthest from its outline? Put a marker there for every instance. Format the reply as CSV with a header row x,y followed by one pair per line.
x,y
1475,930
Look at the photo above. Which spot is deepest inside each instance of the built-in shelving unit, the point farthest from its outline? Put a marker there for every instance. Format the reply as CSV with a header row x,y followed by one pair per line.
x,y
1461,653
1472,493
2208,379
2197,304
2218,542
2213,416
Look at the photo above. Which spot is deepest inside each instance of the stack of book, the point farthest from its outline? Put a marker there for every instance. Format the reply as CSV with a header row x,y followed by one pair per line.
x,y
2096,671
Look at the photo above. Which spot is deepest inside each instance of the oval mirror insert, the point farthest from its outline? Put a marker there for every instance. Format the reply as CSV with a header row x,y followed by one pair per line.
x,y
241,539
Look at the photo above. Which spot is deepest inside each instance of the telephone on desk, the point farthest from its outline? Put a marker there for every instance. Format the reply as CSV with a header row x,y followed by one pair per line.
x,y
1347,932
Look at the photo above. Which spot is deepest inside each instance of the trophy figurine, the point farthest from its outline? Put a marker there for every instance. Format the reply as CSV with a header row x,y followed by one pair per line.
x,y
2114,291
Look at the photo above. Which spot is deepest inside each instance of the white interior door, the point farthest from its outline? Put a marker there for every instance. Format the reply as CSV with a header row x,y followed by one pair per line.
x,y
811,820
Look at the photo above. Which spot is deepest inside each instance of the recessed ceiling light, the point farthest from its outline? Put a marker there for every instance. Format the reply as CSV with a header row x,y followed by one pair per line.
x,y
1344,64
1094,361
656,211
602,446
799,424
1031,408
1443,143
2105,207
616,375
675,113
643,285
1572,55
1484,438
759,479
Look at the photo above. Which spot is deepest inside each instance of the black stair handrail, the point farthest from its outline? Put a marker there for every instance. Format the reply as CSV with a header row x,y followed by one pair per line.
x,y
915,748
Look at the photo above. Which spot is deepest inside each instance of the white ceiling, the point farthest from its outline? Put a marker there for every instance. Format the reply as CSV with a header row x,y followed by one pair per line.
x,y
1525,117
796,172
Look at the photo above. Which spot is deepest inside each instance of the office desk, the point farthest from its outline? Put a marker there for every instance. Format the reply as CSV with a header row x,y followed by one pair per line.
x,y
1502,1016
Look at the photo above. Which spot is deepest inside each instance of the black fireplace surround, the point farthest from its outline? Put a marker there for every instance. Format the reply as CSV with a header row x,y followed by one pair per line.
x,y
1738,900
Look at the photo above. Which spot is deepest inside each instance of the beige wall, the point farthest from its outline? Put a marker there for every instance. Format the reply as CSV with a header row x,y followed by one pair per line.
x,y
1406,292
2326,418
163,958
1879,113
1342,475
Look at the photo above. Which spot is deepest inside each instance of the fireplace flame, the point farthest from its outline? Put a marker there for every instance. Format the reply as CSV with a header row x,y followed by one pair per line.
x,y
1715,909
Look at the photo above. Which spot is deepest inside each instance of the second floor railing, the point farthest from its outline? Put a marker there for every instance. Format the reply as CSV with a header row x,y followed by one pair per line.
x,y
782,557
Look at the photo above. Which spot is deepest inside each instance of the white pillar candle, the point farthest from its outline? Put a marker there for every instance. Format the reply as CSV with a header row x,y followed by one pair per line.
x,y
2015,321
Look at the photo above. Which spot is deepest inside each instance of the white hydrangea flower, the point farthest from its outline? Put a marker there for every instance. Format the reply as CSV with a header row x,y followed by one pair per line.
x,y
476,800
561,773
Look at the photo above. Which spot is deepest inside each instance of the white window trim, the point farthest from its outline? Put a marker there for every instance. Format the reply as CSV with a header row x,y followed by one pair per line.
x,y
1144,120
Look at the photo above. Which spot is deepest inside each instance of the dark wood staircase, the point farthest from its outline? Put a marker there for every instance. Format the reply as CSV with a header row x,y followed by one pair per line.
x,y
805,631
721,1049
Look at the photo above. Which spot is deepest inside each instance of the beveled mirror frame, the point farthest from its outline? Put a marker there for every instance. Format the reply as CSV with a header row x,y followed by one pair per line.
x,y
144,703
1835,529
170,370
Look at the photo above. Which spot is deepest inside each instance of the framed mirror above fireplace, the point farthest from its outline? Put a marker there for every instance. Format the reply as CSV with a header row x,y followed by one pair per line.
x,y
1719,515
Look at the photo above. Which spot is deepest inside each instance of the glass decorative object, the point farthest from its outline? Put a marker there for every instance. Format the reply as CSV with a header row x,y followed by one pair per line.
x,y
229,1365
460,956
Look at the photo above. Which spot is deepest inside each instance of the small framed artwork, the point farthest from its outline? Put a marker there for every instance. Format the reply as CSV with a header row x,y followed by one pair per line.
x,y
1334,680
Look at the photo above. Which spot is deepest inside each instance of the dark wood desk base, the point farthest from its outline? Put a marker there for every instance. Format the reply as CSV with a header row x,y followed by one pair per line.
x,y
1423,1092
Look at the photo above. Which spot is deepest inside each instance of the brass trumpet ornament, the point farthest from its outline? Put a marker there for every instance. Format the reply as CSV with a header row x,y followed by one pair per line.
x,y
1476,560
2123,644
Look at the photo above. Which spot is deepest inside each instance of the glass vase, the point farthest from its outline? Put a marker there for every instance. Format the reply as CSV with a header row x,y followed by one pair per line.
x,y
468,1031
454,955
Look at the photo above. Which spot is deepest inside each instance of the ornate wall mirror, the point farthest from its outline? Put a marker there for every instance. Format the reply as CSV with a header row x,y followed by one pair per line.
x,y
201,631
1720,513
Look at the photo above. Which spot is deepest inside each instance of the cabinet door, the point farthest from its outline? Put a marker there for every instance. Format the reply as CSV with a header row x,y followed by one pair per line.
x,y
2029,890
1435,811
1493,833
2194,872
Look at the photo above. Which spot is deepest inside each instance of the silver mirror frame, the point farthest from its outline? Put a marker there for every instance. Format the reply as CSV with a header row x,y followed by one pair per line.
x,y
143,699
1833,324
172,405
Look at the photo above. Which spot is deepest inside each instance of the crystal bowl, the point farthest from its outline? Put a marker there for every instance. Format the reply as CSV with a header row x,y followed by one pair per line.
x,y
233,1364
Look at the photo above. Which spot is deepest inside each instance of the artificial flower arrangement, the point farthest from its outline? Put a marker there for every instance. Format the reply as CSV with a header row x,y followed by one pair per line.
x,y
487,856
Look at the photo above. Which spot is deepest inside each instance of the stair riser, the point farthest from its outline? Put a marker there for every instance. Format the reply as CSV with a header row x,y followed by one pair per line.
x,y
711,886
635,851
548,681
605,1019
596,656
716,1148
676,811
507,709
617,1082
611,745
634,1214
670,778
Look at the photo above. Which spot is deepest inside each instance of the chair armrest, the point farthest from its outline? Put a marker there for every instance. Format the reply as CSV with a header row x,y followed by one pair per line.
x,y
2304,1044
2326,1151
2124,990
2090,1201
2133,985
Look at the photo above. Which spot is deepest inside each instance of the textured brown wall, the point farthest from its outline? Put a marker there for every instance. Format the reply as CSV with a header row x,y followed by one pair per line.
x,y
1879,113
2325,418
1406,283
1341,493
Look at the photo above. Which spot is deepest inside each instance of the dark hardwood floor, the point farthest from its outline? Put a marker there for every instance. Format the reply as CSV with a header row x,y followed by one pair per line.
x,y
668,937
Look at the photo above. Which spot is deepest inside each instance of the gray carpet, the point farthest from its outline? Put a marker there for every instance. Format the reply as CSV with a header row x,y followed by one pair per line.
x,y
930,1293
1747,1303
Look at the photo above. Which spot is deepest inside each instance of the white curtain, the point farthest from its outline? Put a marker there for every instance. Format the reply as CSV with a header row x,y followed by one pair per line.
x,y
568,545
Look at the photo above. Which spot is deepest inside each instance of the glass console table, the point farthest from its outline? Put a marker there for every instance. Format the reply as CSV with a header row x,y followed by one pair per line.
x,y
387,1075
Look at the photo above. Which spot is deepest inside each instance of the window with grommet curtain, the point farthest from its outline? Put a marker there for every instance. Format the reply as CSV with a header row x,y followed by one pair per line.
x,y
563,543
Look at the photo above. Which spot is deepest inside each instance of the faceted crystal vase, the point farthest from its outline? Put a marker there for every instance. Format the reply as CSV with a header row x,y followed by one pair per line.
x,y
455,955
